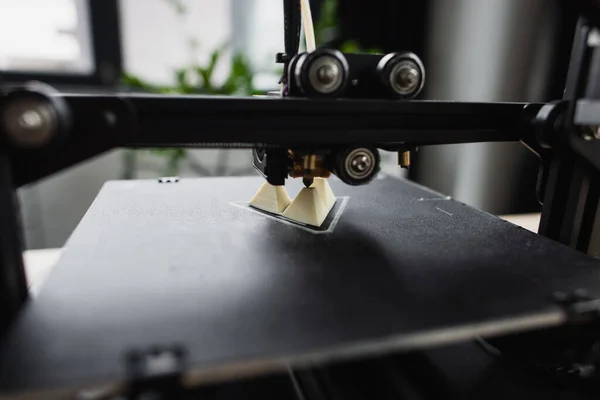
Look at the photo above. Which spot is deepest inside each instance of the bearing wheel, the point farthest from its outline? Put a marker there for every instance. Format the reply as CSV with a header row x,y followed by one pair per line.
x,y
322,73
402,74
357,165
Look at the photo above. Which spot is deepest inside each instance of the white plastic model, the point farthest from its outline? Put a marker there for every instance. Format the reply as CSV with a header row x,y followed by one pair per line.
x,y
310,206
270,198
325,190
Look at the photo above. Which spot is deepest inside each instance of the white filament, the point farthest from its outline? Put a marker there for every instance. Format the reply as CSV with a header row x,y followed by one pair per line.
x,y
309,29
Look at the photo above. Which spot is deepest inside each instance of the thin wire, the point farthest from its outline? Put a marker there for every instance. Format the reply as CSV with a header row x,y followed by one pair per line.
x,y
309,29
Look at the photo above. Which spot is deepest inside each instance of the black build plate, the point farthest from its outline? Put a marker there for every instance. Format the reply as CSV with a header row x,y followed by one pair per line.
x,y
188,262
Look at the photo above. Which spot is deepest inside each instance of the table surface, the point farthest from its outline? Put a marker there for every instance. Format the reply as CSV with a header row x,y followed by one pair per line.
x,y
244,293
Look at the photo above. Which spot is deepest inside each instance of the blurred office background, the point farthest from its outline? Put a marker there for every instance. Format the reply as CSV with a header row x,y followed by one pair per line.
x,y
474,50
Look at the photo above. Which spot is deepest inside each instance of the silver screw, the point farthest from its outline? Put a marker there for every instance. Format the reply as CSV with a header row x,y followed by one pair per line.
x,y
360,163
325,74
405,78
328,73
30,120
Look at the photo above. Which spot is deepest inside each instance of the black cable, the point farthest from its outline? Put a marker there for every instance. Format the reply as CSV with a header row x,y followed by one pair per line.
x,y
292,20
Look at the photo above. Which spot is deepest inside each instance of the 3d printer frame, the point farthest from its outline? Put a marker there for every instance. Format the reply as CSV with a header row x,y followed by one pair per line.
x,y
44,131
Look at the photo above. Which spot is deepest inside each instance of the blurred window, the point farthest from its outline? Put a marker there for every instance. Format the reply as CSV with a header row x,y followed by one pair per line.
x,y
46,36
258,33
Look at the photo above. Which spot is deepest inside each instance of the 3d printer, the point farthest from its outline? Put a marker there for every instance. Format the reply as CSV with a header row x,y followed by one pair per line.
x,y
163,288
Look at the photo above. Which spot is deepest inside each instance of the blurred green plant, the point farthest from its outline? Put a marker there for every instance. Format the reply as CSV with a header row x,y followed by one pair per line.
x,y
327,26
200,79
192,79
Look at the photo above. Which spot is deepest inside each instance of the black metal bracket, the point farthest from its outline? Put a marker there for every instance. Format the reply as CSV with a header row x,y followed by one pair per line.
x,y
103,122
272,164
567,142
